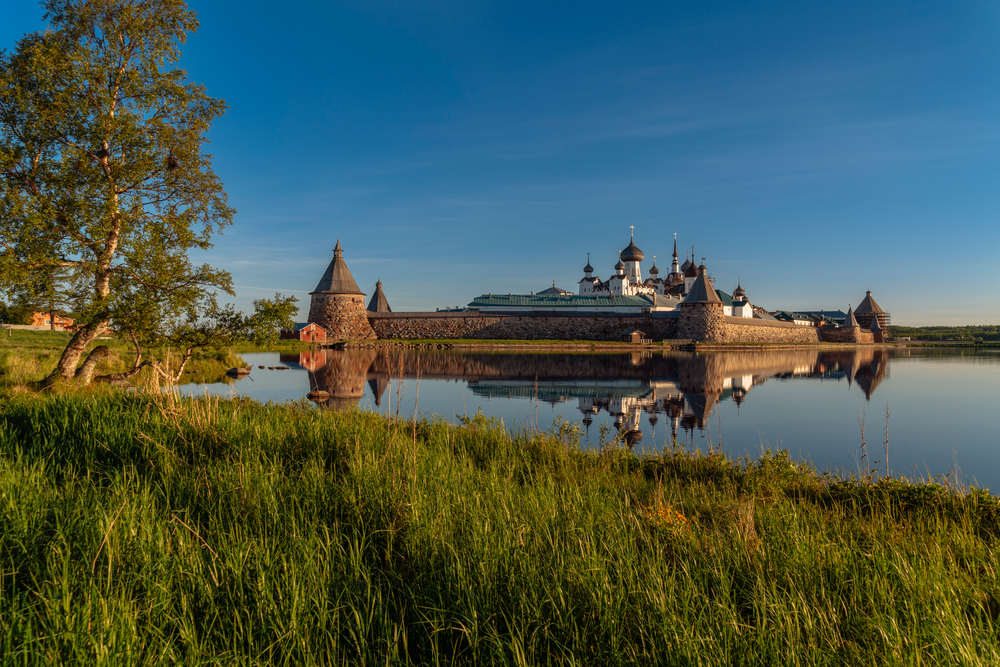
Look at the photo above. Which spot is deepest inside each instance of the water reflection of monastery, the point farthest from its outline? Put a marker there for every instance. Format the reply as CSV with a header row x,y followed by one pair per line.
x,y
682,388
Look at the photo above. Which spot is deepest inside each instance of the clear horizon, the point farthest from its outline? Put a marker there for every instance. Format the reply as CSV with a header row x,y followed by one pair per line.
x,y
458,149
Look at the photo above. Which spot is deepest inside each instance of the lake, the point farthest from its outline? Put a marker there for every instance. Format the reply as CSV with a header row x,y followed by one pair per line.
x,y
942,403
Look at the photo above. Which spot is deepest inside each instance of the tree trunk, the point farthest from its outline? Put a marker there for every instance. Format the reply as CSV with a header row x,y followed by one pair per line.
x,y
70,359
85,373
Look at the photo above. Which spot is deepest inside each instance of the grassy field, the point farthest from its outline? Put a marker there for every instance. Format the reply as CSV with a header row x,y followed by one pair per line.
x,y
145,529
27,356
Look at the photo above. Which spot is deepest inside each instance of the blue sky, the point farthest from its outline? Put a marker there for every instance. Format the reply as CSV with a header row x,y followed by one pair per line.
x,y
459,148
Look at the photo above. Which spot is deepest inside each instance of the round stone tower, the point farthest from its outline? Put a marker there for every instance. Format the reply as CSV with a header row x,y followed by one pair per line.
x,y
338,305
701,316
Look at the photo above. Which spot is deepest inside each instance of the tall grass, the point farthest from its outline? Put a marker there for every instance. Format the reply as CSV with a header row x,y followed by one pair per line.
x,y
142,529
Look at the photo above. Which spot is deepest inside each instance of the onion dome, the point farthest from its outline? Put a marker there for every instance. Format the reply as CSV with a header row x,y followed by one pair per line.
x,y
685,265
739,291
691,271
653,271
631,253
588,268
619,266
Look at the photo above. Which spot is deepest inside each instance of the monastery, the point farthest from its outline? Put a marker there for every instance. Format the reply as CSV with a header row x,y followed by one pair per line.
x,y
682,306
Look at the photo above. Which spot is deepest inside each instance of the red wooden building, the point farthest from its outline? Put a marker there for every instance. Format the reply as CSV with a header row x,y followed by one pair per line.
x,y
39,319
308,332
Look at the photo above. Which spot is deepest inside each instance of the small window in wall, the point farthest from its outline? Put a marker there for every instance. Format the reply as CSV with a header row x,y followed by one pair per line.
x,y
48,321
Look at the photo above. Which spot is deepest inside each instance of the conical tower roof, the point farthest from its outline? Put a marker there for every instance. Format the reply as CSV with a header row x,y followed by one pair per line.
x,y
702,290
875,327
378,385
868,305
338,278
379,304
850,320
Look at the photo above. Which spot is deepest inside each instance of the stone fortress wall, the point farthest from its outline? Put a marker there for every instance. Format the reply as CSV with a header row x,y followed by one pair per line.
x,y
493,326
338,306
850,335
699,324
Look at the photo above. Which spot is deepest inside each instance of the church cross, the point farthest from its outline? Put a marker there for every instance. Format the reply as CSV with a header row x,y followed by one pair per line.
x,y
631,234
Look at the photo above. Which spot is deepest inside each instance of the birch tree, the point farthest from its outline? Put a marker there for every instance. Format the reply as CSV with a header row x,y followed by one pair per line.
x,y
103,170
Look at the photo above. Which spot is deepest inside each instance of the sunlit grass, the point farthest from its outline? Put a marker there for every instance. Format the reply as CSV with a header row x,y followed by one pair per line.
x,y
27,357
145,528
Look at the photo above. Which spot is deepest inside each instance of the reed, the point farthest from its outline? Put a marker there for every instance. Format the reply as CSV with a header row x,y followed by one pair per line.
x,y
146,529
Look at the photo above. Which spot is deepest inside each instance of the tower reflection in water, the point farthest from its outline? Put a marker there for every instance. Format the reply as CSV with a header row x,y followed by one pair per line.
x,y
682,388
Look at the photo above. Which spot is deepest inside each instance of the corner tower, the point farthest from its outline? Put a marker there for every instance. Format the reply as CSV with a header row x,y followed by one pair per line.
x,y
338,305
701,315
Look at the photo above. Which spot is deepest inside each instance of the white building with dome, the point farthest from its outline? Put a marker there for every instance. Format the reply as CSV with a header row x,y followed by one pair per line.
x,y
665,293
626,291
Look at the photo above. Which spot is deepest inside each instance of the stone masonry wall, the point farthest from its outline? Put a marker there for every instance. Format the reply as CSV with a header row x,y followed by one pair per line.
x,y
701,322
738,330
519,327
342,315
847,335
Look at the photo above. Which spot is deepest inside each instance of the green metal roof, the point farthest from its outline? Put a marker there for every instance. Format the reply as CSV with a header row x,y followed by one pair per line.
x,y
727,299
556,301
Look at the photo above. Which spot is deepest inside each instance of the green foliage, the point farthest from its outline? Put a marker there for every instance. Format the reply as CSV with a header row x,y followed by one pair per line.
x,y
146,529
263,326
985,332
15,314
102,167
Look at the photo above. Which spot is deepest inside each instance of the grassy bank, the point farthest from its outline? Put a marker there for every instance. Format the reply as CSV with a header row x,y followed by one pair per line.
x,y
141,529
28,356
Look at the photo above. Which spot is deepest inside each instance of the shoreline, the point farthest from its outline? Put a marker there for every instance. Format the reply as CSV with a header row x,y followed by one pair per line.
x,y
603,346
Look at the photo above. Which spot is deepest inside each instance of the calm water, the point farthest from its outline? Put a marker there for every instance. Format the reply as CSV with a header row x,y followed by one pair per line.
x,y
944,416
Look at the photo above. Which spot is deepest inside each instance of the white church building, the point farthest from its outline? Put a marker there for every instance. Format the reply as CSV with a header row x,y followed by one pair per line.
x,y
626,291
667,293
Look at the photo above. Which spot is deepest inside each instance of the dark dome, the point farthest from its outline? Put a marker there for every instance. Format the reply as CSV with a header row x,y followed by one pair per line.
x,y
685,265
588,268
619,266
653,271
691,271
631,253
739,291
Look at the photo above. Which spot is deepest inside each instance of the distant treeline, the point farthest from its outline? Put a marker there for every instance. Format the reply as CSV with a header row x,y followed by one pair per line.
x,y
981,331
